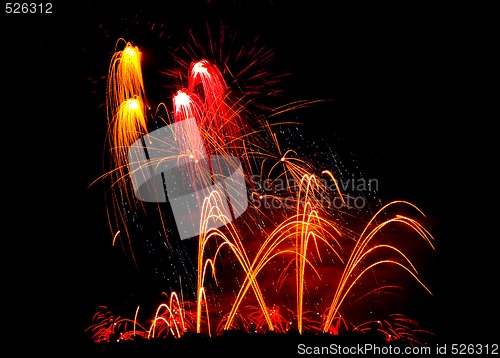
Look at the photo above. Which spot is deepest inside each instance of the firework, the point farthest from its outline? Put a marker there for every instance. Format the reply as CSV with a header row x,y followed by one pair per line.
x,y
293,254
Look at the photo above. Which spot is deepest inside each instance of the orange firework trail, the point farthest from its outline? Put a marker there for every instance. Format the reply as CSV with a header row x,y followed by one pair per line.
x,y
169,318
362,249
127,122
304,226
301,244
126,111
211,213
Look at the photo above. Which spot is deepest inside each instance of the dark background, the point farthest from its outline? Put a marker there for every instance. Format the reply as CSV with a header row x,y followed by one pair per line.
x,y
411,88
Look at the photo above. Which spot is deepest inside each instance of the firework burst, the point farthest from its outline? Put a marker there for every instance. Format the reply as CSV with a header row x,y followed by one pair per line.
x,y
295,256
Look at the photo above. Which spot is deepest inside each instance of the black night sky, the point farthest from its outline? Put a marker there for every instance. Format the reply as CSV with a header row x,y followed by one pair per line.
x,y
409,96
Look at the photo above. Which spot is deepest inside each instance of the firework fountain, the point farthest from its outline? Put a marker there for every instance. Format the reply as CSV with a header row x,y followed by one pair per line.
x,y
268,241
